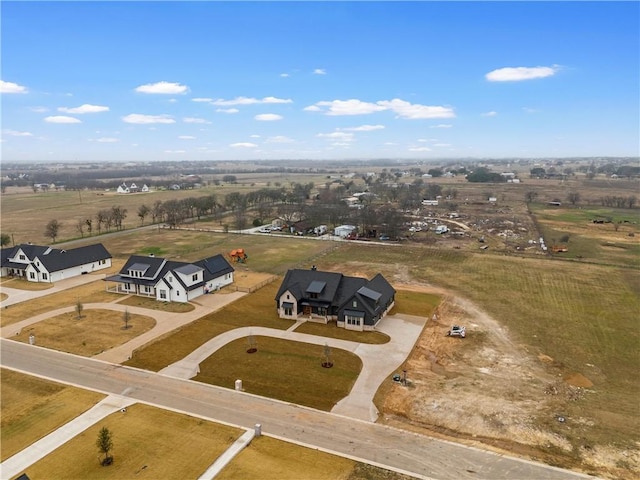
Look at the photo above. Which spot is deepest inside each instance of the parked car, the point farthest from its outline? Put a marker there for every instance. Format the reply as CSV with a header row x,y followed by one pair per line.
x,y
384,237
265,230
457,331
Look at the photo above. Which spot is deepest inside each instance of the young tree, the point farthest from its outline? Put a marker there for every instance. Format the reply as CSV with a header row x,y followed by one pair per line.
x,y
79,308
126,317
52,229
104,442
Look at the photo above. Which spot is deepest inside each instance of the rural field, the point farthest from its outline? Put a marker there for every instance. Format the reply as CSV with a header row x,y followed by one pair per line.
x,y
548,369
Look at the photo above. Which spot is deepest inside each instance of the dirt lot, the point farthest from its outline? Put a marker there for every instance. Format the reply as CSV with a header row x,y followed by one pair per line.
x,y
487,389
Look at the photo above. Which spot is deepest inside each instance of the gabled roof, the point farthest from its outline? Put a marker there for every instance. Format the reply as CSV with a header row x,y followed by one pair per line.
x,y
54,259
157,270
215,267
299,281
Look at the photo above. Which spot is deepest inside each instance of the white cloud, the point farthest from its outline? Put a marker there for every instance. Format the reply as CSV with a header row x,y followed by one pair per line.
x,y
146,119
442,125
284,75
243,145
107,140
254,136
363,128
186,137
348,107
202,100
416,111
516,74
441,144
164,88
268,117
341,136
194,120
249,101
530,110
10,87
173,100
15,133
402,108
227,110
175,151
86,108
280,139
319,71
492,113
61,119
419,149
39,109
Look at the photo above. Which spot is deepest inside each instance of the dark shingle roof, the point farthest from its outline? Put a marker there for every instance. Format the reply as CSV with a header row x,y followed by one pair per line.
x,y
55,259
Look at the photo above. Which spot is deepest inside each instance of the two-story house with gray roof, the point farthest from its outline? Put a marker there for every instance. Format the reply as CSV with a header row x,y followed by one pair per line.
x,y
171,281
38,263
353,303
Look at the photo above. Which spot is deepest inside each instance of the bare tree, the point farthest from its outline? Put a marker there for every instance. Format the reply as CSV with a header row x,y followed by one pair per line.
x,y
126,318
143,211
530,196
80,227
79,309
573,197
52,229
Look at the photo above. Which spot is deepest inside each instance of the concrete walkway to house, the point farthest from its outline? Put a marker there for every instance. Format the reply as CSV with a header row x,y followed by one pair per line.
x,y
17,295
378,361
19,462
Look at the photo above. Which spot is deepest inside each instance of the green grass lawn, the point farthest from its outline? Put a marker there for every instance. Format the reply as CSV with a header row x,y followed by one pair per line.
x,y
256,309
415,303
285,370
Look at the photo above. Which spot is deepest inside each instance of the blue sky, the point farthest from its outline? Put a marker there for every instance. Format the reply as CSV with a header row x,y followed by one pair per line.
x,y
125,81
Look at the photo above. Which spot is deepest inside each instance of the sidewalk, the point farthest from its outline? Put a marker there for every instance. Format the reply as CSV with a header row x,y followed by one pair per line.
x,y
22,460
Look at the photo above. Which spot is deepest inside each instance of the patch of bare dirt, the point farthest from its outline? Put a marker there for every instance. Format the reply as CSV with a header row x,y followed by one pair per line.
x,y
484,388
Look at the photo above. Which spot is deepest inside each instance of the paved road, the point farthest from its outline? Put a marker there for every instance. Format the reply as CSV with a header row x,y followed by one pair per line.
x,y
399,450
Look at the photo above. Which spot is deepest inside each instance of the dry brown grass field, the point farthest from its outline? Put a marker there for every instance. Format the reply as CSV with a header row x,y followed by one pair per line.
x,y
95,332
32,408
147,442
91,292
270,459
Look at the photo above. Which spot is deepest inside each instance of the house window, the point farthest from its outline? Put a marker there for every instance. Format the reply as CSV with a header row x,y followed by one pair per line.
x,y
44,276
353,320
163,294
32,275
177,293
313,295
22,257
170,279
354,304
194,277
288,296
127,286
288,311
322,311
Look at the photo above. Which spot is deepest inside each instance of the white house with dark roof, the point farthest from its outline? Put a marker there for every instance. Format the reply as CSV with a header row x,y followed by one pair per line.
x,y
354,303
38,263
171,281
